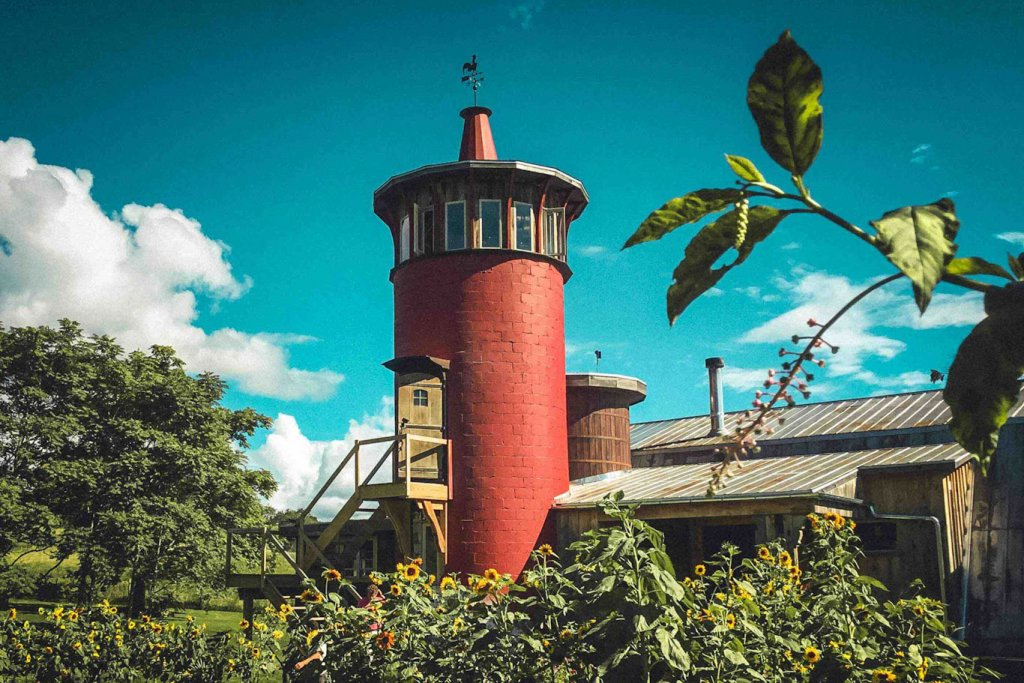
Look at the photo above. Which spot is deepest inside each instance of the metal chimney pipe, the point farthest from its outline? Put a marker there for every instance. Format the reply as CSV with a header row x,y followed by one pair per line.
x,y
714,366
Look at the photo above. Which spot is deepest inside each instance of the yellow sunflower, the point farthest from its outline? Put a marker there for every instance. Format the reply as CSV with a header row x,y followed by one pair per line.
x,y
447,583
411,572
546,550
883,676
700,570
332,575
785,559
812,655
311,595
764,554
491,574
482,585
730,621
396,590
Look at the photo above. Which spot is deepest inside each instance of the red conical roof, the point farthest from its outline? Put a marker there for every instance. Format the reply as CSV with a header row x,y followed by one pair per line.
x,y
477,141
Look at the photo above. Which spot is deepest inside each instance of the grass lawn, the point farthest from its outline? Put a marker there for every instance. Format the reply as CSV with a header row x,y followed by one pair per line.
x,y
215,620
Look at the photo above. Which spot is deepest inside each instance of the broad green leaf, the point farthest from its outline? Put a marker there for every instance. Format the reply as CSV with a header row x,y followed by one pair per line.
x,y
744,168
674,654
982,384
695,274
1016,265
871,581
972,265
783,96
919,241
689,208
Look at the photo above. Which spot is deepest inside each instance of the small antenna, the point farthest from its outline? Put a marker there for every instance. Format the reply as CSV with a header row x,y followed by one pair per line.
x,y
472,77
597,360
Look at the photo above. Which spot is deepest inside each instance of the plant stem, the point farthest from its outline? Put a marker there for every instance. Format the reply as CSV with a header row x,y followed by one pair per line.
x,y
744,433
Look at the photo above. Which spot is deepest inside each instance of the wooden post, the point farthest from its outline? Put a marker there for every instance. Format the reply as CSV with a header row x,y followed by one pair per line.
x,y
357,465
408,463
248,611
263,558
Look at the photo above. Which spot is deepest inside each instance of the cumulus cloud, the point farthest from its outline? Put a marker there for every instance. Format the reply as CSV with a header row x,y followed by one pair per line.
x,y
137,275
591,250
301,465
817,294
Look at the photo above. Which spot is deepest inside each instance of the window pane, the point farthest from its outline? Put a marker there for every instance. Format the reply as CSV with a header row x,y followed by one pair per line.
x,y
403,238
455,235
491,223
524,226
425,232
553,233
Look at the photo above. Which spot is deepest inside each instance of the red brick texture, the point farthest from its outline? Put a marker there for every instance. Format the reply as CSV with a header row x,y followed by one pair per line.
x,y
499,318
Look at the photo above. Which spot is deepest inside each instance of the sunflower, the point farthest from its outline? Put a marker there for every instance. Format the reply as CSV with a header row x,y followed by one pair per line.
x,y
286,610
411,572
311,635
243,624
447,583
794,572
255,653
311,595
922,669
764,554
730,620
546,550
785,559
375,579
386,640
700,570
418,561
73,615
918,610
482,585
431,579
396,590
812,655
565,634
491,574
332,575
882,676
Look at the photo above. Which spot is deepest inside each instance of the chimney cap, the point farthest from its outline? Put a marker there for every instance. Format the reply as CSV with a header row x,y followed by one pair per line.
x,y
474,110
714,362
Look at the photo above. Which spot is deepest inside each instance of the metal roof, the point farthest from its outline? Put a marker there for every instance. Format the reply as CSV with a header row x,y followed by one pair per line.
x,y
786,476
872,414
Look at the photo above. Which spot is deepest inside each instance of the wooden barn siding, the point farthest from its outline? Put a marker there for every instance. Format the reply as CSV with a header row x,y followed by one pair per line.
x,y
995,611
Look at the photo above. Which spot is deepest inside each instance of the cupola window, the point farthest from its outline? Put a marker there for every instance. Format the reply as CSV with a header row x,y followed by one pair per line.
x,y
403,238
420,398
524,226
455,226
554,233
492,231
424,230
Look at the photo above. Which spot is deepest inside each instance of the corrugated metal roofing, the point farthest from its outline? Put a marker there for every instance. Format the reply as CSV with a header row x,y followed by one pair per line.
x,y
782,476
871,414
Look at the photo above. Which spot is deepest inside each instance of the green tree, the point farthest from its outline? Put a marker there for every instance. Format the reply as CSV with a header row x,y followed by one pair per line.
x,y
123,460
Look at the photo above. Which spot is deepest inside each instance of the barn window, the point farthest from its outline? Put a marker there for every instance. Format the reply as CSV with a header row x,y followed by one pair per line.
x,y
524,226
419,397
455,226
492,231
554,233
877,537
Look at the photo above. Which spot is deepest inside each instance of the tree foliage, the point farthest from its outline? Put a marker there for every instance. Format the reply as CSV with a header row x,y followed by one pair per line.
x,y
783,95
124,461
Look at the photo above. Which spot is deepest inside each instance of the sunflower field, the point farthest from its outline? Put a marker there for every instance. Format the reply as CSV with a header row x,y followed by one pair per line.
x,y
617,611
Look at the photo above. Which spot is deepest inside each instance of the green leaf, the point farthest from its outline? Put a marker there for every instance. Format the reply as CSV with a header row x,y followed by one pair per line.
x,y
973,265
689,208
783,97
919,241
744,168
1016,265
674,654
694,274
982,384
871,581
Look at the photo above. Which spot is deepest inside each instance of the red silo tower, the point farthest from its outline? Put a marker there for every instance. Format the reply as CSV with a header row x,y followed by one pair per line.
x,y
480,266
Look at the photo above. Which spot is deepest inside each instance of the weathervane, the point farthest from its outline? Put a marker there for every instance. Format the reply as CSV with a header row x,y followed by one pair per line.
x,y
472,77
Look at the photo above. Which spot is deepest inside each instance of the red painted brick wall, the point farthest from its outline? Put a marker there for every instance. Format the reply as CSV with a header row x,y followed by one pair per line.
x,y
498,317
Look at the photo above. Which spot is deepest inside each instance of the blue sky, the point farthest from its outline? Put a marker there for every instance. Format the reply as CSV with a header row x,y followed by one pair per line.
x,y
269,124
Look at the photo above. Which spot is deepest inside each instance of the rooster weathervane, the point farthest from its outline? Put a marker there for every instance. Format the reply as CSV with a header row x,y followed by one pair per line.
x,y
472,77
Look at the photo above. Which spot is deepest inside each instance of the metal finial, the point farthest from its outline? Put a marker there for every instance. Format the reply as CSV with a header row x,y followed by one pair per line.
x,y
472,77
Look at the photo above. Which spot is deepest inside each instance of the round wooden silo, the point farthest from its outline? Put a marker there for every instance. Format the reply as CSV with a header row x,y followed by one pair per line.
x,y
597,412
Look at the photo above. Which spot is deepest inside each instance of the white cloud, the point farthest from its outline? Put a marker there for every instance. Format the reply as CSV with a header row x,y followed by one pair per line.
x,y
1014,238
757,294
790,246
591,250
524,12
818,295
136,276
714,291
302,465
922,148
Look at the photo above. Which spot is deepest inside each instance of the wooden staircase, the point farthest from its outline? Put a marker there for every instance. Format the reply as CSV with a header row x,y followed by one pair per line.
x,y
307,552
